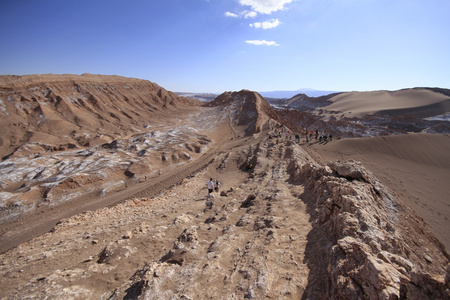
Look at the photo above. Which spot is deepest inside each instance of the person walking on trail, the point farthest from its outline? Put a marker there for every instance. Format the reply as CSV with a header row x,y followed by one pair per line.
x,y
216,186
210,186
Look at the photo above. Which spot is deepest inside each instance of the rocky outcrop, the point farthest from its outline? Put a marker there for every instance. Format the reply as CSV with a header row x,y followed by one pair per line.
x,y
365,244
248,109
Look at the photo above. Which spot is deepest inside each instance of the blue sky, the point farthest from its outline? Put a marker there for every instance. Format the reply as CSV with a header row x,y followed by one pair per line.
x,y
228,45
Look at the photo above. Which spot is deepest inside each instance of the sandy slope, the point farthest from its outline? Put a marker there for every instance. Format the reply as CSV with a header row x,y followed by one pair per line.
x,y
415,166
362,103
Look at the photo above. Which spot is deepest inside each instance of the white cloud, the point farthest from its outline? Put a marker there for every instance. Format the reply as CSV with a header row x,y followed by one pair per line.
x,y
250,14
262,43
230,14
267,24
265,6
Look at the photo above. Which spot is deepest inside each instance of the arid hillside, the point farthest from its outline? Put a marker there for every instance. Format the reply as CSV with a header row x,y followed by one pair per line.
x,y
70,136
250,110
62,111
289,221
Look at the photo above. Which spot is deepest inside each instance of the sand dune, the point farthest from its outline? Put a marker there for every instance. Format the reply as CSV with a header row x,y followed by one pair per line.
x,y
415,166
363,103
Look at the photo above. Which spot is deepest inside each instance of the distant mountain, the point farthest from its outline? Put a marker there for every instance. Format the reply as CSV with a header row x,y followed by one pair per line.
x,y
290,94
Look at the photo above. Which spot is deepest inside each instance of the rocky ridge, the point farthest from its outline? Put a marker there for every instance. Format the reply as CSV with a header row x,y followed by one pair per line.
x,y
248,110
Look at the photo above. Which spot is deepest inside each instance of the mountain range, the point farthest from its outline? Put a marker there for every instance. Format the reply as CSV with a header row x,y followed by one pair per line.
x,y
290,94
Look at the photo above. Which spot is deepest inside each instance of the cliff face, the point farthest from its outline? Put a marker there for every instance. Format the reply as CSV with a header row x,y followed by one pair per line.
x,y
62,111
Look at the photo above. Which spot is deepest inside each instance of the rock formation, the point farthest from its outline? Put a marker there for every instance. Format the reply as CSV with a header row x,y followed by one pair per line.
x,y
370,244
248,109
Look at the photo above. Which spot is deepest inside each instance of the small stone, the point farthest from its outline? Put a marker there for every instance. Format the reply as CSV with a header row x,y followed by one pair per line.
x,y
127,235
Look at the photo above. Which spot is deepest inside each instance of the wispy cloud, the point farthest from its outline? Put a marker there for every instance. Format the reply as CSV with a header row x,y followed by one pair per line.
x,y
250,14
267,24
265,6
262,43
231,15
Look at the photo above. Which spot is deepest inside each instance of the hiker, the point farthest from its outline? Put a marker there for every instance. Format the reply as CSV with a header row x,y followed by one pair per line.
x,y
210,186
216,186
297,138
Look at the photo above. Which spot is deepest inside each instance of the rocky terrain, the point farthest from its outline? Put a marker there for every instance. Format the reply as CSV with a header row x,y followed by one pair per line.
x,y
285,224
70,133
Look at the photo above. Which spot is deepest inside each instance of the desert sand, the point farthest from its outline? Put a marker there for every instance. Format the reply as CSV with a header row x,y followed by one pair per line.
x,y
357,104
